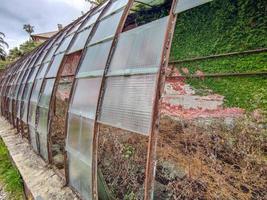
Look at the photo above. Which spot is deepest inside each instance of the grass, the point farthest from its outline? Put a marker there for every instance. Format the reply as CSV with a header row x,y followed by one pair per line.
x,y
9,175
219,27
248,93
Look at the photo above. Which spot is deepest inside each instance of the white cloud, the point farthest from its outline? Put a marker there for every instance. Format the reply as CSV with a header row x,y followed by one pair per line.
x,y
44,15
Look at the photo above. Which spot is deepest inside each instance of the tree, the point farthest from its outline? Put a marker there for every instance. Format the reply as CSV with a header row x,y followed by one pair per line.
x,y
3,44
28,28
23,49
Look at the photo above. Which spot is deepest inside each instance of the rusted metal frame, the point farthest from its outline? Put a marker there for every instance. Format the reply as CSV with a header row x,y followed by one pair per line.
x,y
19,81
23,73
73,84
101,95
154,130
18,104
44,79
33,84
57,78
21,123
217,75
7,91
254,51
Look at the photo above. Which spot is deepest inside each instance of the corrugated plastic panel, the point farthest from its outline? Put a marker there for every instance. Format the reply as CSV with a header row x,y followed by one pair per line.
x,y
32,113
183,5
80,137
46,94
42,121
43,145
86,138
55,66
132,112
33,138
36,90
85,97
64,45
50,53
80,40
95,59
41,57
43,70
27,90
139,50
107,27
33,74
24,111
92,19
116,5
74,130
80,176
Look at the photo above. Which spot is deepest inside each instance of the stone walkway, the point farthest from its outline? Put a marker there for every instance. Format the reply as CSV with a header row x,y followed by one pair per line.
x,y
41,180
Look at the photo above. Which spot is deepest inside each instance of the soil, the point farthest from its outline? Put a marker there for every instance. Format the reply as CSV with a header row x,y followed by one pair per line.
x,y
211,162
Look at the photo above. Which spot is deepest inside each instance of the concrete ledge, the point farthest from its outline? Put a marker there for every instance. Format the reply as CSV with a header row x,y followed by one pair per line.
x,y
42,182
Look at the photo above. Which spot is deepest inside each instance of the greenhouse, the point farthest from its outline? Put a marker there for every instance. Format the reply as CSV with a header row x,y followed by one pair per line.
x,y
90,99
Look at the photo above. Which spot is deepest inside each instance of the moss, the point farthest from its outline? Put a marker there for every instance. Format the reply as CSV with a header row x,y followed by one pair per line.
x,y
245,92
9,176
219,27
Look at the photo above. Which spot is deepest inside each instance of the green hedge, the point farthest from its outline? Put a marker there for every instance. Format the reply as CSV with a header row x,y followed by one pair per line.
x,y
219,27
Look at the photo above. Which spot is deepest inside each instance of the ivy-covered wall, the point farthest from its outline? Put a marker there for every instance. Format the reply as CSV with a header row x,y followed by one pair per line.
x,y
219,27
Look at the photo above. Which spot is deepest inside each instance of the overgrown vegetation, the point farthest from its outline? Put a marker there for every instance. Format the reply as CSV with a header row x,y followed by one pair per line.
x,y
216,161
220,27
9,175
18,52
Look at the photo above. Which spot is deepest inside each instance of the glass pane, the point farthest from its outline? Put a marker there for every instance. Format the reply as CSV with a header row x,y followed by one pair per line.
x,y
46,94
128,102
55,66
121,163
80,40
74,127
85,97
107,28
183,5
95,58
140,49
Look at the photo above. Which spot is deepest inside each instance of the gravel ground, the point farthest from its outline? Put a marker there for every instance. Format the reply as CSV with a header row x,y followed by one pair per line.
x,y
3,195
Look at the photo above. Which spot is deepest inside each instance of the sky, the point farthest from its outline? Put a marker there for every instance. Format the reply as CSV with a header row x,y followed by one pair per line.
x,y
44,15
